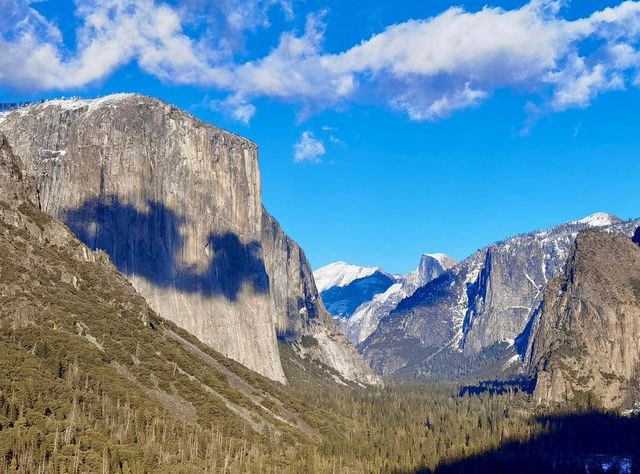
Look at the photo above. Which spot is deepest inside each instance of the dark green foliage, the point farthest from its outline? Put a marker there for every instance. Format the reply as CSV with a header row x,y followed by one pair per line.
x,y
92,381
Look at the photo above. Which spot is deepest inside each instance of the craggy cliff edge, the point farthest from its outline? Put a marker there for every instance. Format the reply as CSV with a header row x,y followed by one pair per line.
x,y
585,347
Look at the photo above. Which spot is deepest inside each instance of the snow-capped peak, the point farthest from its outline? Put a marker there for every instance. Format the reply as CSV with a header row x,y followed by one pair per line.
x,y
340,274
599,219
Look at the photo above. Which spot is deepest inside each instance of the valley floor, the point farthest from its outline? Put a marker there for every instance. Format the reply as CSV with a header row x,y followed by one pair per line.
x,y
65,422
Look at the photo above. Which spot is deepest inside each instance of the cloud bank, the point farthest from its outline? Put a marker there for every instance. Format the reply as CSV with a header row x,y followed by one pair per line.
x,y
425,68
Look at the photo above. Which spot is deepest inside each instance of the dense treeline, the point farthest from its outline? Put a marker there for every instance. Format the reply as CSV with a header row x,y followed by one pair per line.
x,y
6,106
442,429
402,428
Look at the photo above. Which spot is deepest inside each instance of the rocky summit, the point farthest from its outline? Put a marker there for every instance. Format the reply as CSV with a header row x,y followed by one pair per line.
x,y
176,204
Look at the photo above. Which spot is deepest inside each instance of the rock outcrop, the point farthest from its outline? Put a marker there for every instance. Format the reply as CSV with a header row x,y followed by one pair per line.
x,y
586,346
176,203
15,185
302,320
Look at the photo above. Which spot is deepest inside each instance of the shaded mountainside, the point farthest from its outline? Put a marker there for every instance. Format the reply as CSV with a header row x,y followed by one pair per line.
x,y
586,343
342,301
92,379
307,328
475,320
360,297
176,204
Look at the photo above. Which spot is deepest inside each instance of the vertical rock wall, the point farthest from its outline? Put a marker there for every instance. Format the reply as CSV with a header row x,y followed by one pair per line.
x,y
176,203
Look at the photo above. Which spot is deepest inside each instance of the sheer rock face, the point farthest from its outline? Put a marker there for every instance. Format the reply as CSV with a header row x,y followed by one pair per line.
x,y
18,210
586,343
303,320
15,185
176,203
483,305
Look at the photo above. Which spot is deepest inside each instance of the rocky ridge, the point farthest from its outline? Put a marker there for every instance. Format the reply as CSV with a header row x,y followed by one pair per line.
x,y
366,317
476,318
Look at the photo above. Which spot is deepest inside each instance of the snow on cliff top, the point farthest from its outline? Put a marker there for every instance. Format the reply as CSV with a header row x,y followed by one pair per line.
x,y
74,103
87,105
340,274
599,219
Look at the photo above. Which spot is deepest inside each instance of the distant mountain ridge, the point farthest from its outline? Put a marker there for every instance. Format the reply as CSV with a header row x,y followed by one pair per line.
x,y
360,297
475,318
341,274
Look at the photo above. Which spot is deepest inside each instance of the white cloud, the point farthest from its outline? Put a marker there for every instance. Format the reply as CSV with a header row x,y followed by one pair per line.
x,y
235,106
308,149
578,84
227,21
427,68
112,33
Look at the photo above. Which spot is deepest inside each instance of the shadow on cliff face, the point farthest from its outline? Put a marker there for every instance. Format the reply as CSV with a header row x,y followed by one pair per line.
x,y
149,244
586,443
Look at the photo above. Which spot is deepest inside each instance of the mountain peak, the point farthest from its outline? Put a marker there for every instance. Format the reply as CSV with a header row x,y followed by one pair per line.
x,y
443,259
340,274
598,219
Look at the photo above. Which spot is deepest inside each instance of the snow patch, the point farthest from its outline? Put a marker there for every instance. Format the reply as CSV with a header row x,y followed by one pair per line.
x,y
599,219
75,103
512,360
340,274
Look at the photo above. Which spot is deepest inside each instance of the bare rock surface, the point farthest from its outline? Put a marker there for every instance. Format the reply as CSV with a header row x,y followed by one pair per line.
x,y
586,347
15,185
176,204
476,319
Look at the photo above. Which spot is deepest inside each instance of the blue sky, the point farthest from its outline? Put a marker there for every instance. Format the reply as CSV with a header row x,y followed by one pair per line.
x,y
385,130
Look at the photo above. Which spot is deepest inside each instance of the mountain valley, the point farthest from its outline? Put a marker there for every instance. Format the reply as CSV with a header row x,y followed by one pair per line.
x,y
156,318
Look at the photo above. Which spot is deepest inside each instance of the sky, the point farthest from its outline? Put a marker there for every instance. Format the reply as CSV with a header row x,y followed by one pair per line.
x,y
385,129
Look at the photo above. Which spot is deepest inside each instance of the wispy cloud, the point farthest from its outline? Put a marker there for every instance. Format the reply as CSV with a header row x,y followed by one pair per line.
x,y
308,149
426,68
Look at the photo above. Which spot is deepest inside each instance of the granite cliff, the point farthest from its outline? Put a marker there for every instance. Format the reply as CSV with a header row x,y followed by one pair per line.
x,y
101,381
476,319
585,347
176,204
